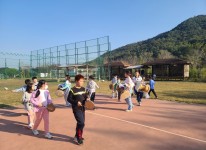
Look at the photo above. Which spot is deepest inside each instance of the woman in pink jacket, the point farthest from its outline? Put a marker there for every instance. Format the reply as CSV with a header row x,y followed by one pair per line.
x,y
40,99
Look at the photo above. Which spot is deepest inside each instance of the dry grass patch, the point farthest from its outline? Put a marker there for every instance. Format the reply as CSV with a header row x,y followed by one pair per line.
x,y
189,92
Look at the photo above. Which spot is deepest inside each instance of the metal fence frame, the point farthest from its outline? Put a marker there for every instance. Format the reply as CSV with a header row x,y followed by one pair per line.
x,y
88,52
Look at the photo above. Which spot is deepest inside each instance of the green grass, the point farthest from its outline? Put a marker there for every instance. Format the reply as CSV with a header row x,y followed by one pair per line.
x,y
8,98
189,92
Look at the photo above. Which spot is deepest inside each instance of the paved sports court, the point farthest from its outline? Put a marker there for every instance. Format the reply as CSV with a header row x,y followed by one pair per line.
x,y
156,125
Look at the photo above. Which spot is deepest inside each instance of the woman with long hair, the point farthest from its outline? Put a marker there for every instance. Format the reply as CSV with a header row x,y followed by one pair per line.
x,y
40,99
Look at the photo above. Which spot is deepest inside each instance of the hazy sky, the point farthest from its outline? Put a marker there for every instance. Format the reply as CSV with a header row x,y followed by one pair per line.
x,y
35,24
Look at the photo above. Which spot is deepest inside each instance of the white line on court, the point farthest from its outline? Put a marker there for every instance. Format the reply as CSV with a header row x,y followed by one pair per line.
x,y
150,127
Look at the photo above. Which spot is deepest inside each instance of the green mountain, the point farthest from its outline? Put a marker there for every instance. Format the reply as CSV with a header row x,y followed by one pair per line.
x,y
186,41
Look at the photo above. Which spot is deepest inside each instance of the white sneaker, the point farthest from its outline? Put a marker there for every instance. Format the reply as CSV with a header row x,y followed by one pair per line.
x,y
35,132
128,110
68,105
48,135
75,139
30,126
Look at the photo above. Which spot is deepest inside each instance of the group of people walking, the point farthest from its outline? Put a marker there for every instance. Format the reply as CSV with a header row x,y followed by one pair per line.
x,y
133,85
36,98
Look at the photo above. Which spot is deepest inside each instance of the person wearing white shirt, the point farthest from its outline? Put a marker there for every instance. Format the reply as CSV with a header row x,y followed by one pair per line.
x,y
91,88
118,85
138,81
35,82
129,86
114,82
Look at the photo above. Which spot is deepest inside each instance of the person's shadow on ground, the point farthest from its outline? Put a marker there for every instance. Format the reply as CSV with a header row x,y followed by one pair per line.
x,y
20,128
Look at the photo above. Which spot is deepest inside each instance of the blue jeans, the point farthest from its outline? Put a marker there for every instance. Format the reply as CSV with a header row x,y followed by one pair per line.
x,y
139,95
129,102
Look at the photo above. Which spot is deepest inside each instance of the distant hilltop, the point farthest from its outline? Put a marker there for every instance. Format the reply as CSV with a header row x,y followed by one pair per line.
x,y
186,41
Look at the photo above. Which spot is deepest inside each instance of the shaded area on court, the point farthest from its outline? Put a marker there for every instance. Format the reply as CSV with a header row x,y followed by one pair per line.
x,y
110,127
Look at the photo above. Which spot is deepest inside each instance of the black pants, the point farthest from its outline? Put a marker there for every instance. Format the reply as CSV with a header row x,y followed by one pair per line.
x,y
119,95
139,95
153,91
79,114
92,97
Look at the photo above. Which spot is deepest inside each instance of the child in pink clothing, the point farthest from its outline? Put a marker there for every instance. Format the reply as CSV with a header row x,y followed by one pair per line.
x,y
40,99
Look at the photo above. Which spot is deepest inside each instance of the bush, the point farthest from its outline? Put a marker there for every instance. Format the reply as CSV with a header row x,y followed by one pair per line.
x,y
193,73
203,73
198,75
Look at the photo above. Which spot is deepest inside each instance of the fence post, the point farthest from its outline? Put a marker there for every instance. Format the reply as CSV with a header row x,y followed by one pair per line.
x,y
31,64
43,58
86,57
98,55
19,68
50,57
57,63
5,69
66,50
109,58
37,65
75,53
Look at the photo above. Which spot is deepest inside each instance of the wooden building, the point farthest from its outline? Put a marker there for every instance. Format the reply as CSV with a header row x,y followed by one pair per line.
x,y
167,69
116,68
141,68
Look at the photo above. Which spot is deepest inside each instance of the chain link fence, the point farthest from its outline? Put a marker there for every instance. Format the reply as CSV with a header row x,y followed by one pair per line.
x,y
85,57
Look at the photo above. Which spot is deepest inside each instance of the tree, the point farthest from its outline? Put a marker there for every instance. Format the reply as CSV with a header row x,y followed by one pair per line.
x,y
164,54
9,72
